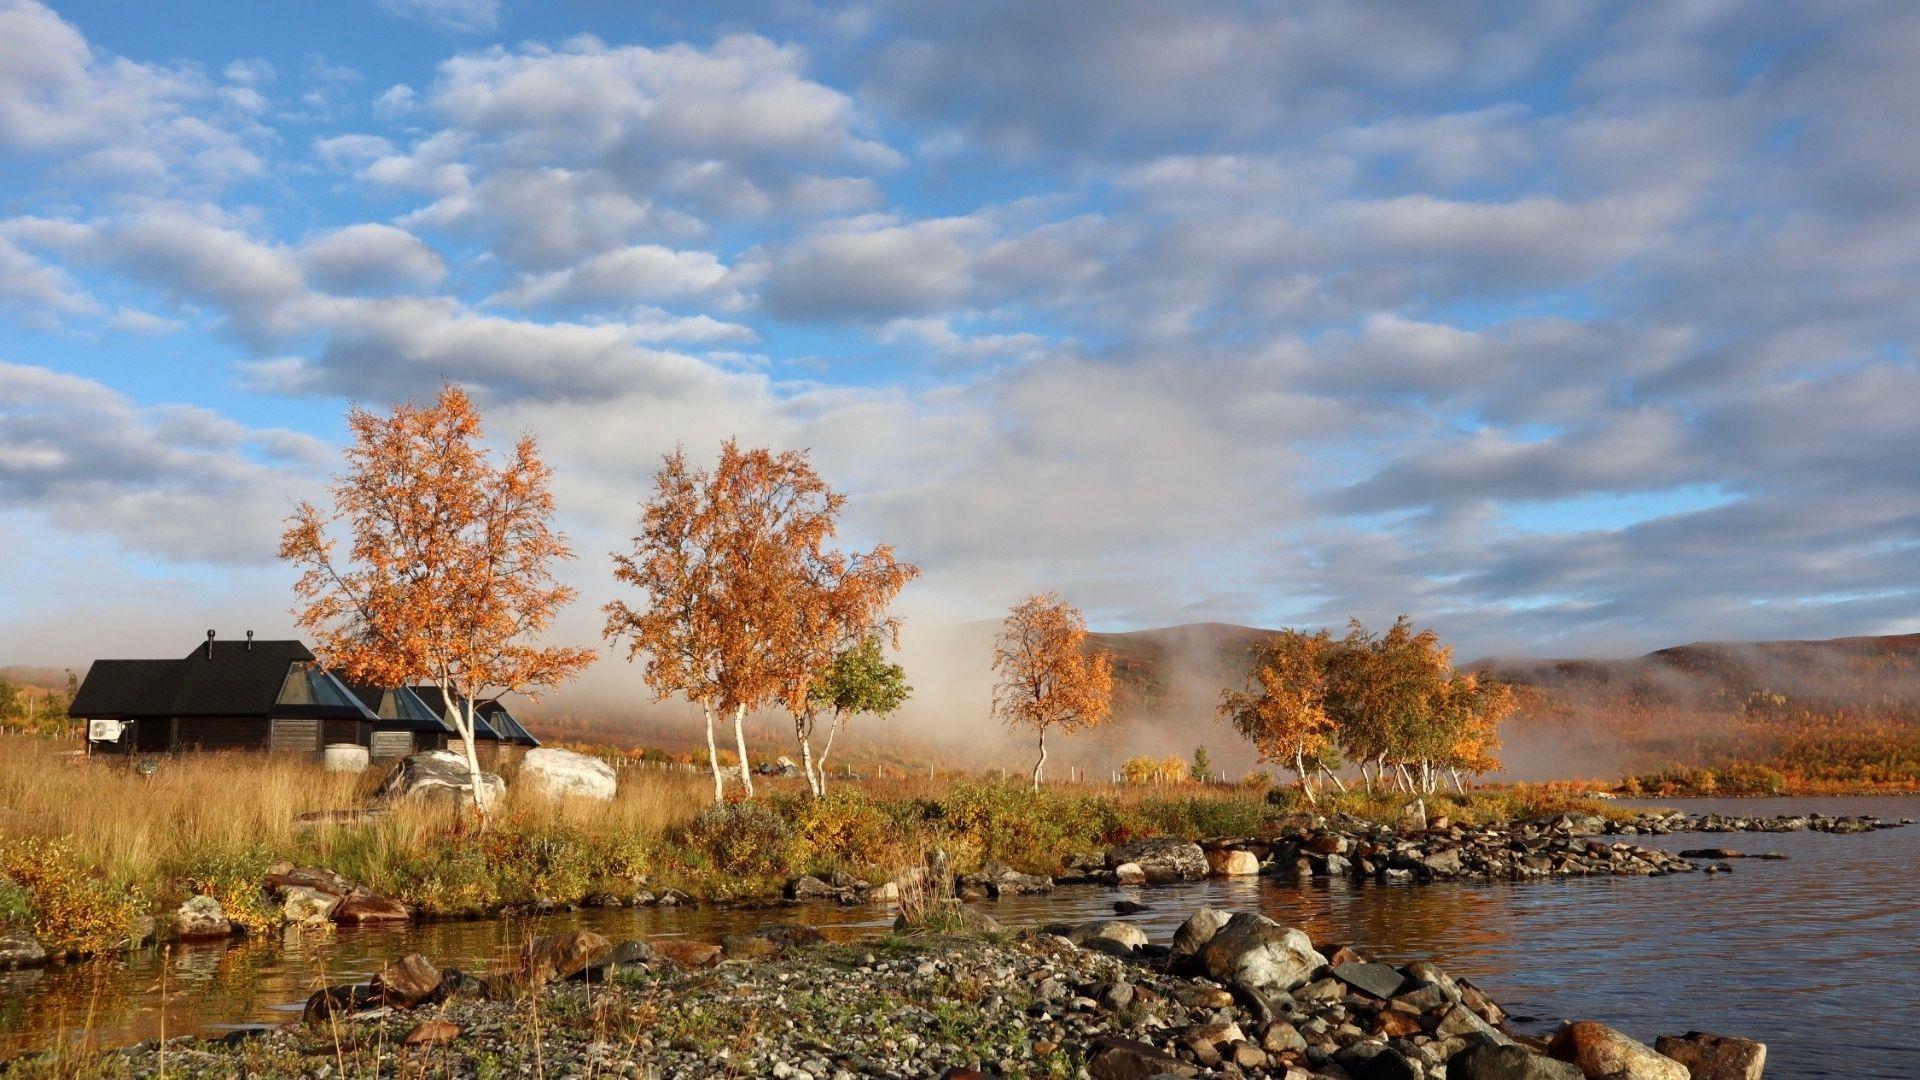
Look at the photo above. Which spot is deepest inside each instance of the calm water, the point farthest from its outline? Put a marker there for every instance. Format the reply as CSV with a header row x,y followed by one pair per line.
x,y
1818,956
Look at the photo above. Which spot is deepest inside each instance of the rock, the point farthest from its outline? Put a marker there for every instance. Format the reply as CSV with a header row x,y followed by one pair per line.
x,y
563,773
1162,859
1380,980
1280,1037
1129,907
432,1031
748,947
1371,1060
551,957
1129,874
337,1003
1490,1062
364,907
302,905
1115,1058
1254,951
808,887
20,949
1461,1022
687,954
439,775
286,876
1123,934
1233,862
1599,1051
201,919
407,981
1715,1057
1198,930
1711,853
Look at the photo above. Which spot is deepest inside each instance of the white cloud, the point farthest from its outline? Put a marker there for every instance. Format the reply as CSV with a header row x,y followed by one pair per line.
x,y
454,16
644,273
361,259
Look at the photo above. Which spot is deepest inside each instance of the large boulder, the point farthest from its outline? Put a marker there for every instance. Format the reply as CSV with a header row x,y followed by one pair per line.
x,y
1599,1051
439,775
1715,1057
303,905
551,957
562,773
1256,952
364,907
1107,935
1491,1062
201,919
407,981
1198,930
1162,859
1233,862
1115,1058
20,949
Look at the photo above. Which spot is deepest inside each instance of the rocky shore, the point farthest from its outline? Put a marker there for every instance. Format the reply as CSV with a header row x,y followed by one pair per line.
x,y
1230,995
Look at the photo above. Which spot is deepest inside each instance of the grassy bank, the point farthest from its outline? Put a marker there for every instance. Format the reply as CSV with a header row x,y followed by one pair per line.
x,y
87,847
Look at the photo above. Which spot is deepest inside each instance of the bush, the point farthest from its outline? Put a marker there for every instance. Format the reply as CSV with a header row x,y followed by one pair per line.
x,y
234,878
746,840
73,908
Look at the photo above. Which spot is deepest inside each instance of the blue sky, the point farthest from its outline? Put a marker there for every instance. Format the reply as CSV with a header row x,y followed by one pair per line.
x,y
1583,328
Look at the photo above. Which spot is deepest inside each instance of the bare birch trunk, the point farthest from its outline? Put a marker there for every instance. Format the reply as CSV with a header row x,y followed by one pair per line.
x,y
1457,785
1300,766
824,751
713,758
1367,777
740,744
803,730
1335,779
1041,764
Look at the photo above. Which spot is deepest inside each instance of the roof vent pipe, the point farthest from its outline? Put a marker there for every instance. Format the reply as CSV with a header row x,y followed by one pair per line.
x,y
249,641
209,644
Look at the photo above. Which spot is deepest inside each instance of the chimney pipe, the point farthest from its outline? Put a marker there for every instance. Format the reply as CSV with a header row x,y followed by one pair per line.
x,y
209,644
249,641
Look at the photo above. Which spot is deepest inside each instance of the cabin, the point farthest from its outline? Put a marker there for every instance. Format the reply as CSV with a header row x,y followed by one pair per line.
x,y
224,695
406,724
494,727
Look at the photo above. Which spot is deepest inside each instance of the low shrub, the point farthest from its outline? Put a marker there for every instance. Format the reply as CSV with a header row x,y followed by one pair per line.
x,y
73,908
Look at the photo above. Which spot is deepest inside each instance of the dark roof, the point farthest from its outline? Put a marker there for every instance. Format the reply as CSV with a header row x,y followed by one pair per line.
x,y
113,688
218,678
400,706
504,722
491,720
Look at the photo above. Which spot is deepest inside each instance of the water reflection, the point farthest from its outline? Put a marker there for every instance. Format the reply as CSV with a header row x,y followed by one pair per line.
x,y
1816,955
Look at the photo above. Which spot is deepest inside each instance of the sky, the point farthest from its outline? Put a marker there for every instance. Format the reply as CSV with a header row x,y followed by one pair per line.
x,y
1566,327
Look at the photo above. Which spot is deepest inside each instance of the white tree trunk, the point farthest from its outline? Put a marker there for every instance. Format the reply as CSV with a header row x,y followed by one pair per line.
x,y
1457,785
803,731
1300,766
465,724
740,745
1335,779
1042,763
713,758
825,750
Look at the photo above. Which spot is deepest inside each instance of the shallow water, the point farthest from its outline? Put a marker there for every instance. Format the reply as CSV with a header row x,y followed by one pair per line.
x,y
1818,955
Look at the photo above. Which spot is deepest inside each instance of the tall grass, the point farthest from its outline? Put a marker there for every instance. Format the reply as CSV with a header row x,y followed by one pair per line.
x,y
88,845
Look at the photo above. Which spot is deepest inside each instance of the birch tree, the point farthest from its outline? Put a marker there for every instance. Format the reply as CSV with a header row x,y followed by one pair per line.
x,y
1045,678
860,681
1284,711
744,599
448,575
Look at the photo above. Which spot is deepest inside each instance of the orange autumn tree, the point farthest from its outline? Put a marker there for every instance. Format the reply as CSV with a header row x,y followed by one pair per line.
x,y
1045,677
745,602
1473,707
1284,714
448,578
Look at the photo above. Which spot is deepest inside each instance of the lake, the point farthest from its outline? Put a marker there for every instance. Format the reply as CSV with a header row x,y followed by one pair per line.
x,y
1817,955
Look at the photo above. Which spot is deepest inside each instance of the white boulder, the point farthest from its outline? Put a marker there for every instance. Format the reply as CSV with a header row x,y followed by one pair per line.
x,y
561,773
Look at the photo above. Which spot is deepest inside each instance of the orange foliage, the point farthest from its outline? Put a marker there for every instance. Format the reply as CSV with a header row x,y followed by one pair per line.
x,y
1046,678
745,603
449,575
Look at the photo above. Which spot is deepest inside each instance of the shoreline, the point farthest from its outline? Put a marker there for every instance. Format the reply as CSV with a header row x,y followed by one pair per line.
x,y
952,995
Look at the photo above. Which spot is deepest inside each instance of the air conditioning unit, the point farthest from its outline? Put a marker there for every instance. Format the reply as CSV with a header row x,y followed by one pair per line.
x,y
104,730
